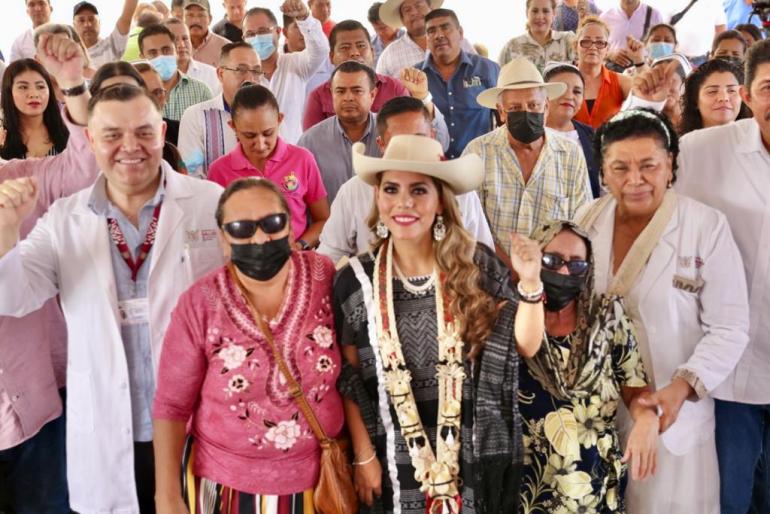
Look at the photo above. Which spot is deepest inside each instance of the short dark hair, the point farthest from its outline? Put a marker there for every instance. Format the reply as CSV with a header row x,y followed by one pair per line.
x,y
251,97
758,54
666,26
442,13
243,184
355,67
177,3
154,30
628,126
728,34
691,115
229,47
399,105
751,29
374,12
114,69
347,26
119,93
565,68
261,10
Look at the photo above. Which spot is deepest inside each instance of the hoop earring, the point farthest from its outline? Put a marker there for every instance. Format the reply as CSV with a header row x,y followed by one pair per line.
x,y
381,230
439,229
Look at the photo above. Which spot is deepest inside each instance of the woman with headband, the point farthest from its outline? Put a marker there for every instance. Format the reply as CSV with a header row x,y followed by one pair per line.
x,y
678,267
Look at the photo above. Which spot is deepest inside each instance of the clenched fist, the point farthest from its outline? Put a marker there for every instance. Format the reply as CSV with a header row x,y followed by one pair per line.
x,y
415,81
63,58
526,260
295,9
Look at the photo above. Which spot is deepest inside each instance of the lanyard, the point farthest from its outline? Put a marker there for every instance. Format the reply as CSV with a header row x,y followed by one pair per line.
x,y
120,242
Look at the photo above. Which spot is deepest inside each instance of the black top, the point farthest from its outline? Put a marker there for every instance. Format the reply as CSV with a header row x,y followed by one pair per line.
x,y
227,30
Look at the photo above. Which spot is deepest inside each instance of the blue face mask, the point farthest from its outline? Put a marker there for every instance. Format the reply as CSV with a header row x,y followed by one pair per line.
x,y
263,45
658,50
165,65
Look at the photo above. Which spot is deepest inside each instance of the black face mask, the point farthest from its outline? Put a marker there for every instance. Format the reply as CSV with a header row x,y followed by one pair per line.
x,y
560,289
525,126
735,61
261,261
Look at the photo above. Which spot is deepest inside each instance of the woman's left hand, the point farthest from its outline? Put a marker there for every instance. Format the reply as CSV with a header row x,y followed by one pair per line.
x,y
525,259
642,446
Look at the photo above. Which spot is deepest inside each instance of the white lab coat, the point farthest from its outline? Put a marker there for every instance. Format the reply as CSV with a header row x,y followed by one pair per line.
x,y
68,252
704,332
728,168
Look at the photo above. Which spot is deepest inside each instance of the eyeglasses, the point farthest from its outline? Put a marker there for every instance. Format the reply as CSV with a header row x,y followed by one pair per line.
x,y
554,262
588,43
242,71
244,229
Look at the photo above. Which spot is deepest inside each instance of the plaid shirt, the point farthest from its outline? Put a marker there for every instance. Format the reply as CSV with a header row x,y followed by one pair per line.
x,y
557,187
187,92
560,48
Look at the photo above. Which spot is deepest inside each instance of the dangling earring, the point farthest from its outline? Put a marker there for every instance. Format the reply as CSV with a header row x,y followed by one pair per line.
x,y
381,230
439,229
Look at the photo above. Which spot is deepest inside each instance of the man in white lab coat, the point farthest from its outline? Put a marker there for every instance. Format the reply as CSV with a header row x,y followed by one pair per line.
x,y
728,167
119,254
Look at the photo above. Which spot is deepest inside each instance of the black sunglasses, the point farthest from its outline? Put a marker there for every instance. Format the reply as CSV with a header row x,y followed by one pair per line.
x,y
554,262
244,229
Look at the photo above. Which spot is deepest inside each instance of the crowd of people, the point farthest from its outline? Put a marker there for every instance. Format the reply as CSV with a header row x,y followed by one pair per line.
x,y
530,285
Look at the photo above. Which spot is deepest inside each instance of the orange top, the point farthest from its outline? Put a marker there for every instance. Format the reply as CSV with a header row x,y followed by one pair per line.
x,y
607,102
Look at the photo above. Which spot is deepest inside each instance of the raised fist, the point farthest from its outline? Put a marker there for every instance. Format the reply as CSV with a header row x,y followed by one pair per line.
x,y
63,58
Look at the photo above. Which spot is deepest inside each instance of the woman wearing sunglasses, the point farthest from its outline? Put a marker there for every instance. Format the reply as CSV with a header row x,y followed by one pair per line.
x,y
251,447
426,321
570,390
605,90
676,264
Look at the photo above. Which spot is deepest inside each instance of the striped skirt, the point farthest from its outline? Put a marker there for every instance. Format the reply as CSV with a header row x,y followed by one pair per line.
x,y
204,496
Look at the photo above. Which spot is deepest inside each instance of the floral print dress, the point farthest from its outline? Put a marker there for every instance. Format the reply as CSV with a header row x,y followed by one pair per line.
x,y
572,460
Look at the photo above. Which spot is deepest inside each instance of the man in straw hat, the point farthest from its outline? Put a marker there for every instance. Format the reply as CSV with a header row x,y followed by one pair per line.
x,y
530,175
411,48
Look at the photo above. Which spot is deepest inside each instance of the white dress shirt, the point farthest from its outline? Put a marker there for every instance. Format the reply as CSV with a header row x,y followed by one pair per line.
x,y
205,136
23,46
728,168
292,73
346,233
206,74
405,53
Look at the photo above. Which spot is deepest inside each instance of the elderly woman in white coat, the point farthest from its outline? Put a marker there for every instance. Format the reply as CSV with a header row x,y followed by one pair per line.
x,y
675,261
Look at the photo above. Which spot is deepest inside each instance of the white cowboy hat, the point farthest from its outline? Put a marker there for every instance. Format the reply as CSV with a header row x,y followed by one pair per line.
x,y
420,154
520,73
390,12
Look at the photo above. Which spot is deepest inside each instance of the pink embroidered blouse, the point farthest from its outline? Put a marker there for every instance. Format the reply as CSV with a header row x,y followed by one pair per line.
x,y
217,369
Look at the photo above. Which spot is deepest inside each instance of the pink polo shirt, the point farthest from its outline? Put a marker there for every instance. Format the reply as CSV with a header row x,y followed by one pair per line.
x,y
291,168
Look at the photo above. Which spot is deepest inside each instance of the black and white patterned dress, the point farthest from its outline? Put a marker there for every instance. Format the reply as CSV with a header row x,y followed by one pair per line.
x,y
417,330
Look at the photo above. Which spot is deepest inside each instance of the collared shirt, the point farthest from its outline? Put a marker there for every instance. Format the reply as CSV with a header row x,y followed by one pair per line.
x,y
738,11
23,46
405,53
726,167
227,30
290,167
206,74
560,48
607,103
556,188
378,45
346,232
136,337
332,148
456,99
320,106
186,93
695,30
109,49
205,136
209,49
567,18
291,74
621,25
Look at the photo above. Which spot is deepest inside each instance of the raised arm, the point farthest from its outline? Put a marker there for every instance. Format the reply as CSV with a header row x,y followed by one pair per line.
x,y
124,22
306,62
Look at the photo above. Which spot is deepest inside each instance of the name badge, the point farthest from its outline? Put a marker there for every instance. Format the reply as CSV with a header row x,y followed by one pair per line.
x,y
134,312
689,285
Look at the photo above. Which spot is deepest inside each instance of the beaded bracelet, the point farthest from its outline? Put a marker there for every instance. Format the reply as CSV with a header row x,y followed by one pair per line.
x,y
530,297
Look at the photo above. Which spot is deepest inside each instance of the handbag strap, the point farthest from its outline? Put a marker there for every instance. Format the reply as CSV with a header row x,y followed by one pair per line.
x,y
647,17
678,16
294,388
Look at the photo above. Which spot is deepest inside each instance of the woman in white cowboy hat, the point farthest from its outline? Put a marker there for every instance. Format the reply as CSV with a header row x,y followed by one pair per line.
x,y
426,321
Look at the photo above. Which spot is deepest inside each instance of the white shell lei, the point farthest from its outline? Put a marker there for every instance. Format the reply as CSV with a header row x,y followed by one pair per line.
x,y
437,473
